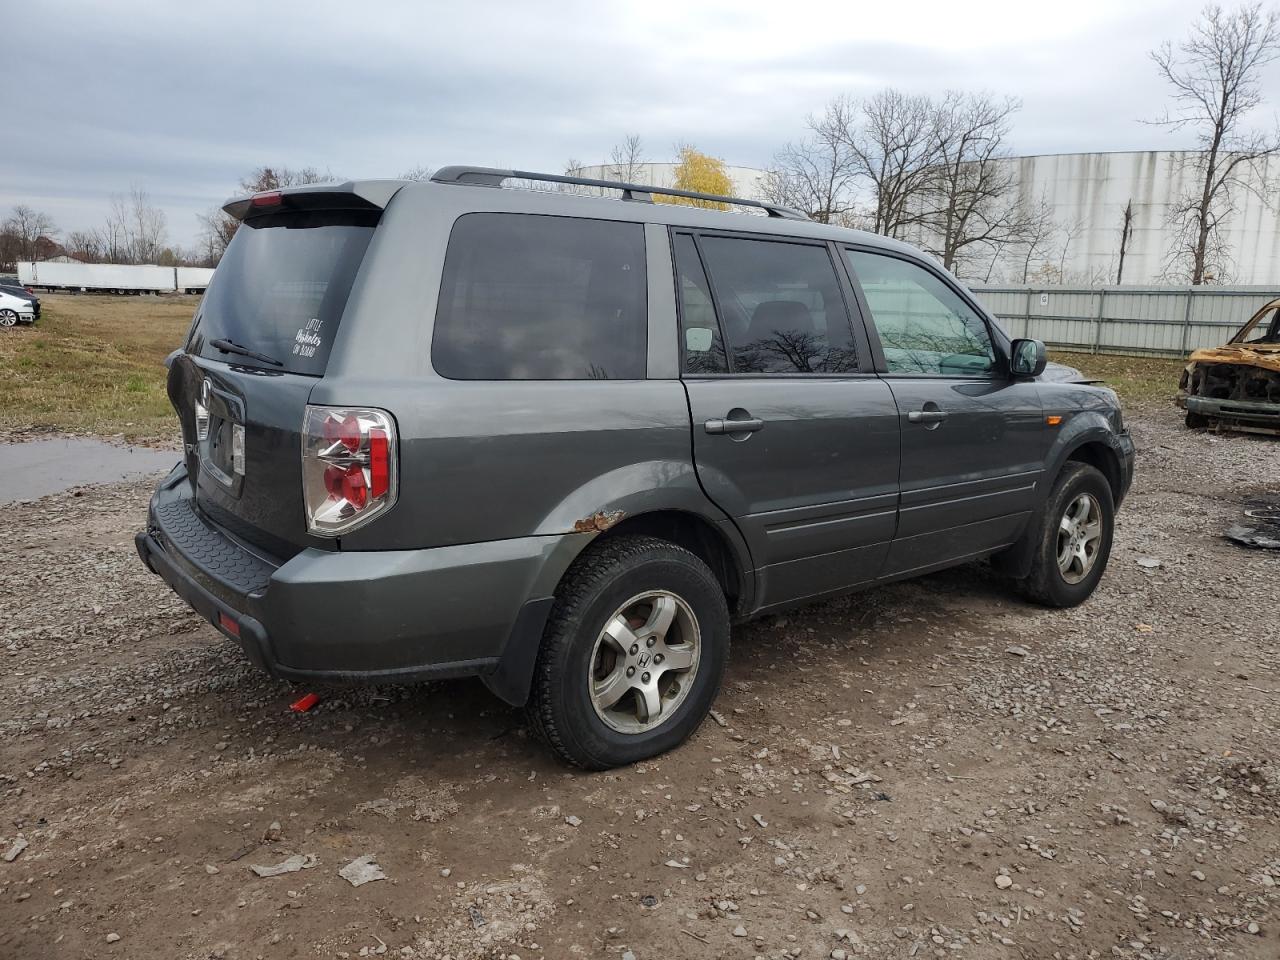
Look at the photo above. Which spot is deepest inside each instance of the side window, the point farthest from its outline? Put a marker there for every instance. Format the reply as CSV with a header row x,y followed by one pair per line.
x,y
701,342
528,297
780,307
924,326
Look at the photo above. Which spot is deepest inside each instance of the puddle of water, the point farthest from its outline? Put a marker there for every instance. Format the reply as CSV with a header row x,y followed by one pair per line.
x,y
41,467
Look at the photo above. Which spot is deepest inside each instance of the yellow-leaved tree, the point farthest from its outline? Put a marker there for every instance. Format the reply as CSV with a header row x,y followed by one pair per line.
x,y
702,173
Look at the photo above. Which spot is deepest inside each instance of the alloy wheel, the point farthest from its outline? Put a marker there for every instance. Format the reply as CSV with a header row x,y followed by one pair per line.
x,y
1079,538
644,662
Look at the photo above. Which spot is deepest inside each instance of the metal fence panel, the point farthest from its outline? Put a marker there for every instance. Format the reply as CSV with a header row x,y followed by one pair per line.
x,y
1158,321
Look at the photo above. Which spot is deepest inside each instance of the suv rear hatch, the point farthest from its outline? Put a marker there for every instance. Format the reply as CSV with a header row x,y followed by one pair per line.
x,y
259,343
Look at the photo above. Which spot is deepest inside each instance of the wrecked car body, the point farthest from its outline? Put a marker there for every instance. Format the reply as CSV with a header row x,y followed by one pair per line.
x,y
1237,386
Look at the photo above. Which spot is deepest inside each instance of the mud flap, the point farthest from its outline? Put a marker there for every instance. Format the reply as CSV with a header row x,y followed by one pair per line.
x,y
511,680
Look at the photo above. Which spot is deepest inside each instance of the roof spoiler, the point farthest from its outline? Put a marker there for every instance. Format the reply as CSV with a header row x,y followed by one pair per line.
x,y
352,195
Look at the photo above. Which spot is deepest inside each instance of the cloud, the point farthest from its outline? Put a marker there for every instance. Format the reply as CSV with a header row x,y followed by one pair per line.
x,y
184,100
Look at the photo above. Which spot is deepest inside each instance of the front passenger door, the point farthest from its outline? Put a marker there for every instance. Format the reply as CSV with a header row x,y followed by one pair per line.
x,y
973,438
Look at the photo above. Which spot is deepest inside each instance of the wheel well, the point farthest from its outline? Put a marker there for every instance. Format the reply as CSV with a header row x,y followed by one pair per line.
x,y
696,535
1099,455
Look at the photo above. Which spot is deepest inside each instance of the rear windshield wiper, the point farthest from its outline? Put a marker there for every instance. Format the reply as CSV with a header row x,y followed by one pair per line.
x,y
228,346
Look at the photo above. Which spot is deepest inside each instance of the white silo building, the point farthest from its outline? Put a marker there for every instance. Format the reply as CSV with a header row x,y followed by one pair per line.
x,y
1087,194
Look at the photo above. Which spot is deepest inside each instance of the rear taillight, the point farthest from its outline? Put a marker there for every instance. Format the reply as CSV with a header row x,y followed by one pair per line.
x,y
348,467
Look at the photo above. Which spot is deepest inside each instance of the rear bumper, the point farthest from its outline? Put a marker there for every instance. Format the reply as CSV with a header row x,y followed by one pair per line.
x,y
466,610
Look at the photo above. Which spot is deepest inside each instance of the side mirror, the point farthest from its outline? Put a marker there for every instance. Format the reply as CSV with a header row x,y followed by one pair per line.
x,y
1028,358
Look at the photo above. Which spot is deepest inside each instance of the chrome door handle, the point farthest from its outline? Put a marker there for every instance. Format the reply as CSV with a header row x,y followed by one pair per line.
x,y
927,416
733,426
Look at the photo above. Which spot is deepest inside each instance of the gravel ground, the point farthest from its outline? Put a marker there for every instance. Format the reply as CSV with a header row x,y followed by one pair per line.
x,y
929,769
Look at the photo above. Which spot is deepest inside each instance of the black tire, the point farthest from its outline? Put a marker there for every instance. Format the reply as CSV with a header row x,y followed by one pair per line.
x,y
1196,421
1046,583
8,318
599,582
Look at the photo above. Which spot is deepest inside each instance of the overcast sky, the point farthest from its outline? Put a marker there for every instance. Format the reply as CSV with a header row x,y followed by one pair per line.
x,y
184,99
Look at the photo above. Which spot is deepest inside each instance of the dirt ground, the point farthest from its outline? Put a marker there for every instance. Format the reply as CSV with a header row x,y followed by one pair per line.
x,y
930,769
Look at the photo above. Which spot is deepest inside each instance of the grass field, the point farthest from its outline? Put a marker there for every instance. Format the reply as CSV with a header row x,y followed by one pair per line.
x,y
96,365
1134,378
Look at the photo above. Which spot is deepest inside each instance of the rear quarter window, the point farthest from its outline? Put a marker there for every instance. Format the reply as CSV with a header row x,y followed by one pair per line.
x,y
531,297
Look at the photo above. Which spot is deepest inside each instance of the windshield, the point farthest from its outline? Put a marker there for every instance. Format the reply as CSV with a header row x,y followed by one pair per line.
x,y
280,289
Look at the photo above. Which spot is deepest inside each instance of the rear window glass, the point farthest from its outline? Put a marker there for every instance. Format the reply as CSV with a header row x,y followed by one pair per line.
x,y
280,290
529,297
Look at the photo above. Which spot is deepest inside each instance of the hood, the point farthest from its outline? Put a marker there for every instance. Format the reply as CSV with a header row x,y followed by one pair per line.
x,y
1264,355
1061,373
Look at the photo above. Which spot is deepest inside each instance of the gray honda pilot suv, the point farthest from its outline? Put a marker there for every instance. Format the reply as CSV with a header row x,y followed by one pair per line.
x,y
561,439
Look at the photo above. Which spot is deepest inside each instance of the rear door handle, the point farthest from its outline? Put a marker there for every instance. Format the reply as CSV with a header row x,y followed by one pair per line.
x,y
734,426
927,416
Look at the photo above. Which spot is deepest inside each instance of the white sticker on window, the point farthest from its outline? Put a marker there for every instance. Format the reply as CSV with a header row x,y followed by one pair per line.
x,y
697,339
307,339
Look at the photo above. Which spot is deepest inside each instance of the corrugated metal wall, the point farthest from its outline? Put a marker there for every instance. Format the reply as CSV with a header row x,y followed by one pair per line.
x,y
1164,321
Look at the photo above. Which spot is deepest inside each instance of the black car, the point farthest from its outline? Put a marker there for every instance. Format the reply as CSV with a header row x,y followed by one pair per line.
x,y
25,294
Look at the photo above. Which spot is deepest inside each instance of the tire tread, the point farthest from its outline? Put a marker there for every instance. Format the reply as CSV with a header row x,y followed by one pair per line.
x,y
1038,585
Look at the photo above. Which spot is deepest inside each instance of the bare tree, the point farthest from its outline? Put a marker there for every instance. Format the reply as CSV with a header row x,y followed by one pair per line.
x,y
26,227
86,244
1070,233
626,160
969,202
417,173
218,226
1126,232
1216,78
277,178
146,231
818,174
134,231
895,151
1039,229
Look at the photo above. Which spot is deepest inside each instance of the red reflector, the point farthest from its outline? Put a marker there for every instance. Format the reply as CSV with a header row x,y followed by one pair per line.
x,y
333,482
349,434
305,703
379,463
353,487
229,625
269,199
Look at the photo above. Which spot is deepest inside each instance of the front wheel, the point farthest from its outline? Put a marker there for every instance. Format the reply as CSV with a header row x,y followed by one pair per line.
x,y
632,655
1074,539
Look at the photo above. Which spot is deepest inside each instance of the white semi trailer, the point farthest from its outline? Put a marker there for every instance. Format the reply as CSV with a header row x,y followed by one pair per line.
x,y
113,277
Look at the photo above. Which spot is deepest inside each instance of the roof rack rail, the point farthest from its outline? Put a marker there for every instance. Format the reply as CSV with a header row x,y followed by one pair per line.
x,y
493,177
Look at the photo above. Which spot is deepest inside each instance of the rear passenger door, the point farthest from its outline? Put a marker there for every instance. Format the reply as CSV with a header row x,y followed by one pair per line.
x,y
793,434
973,438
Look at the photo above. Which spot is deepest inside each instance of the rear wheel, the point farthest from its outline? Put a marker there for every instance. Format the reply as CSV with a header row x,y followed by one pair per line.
x,y
8,318
1074,539
633,653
